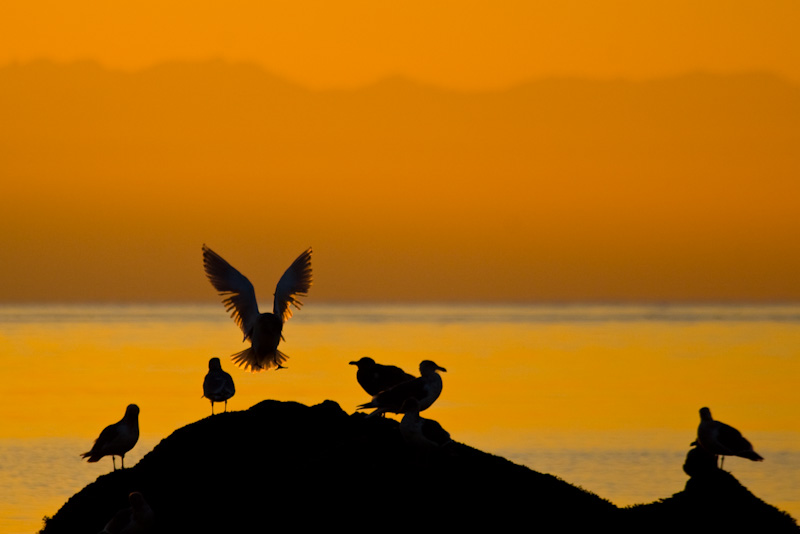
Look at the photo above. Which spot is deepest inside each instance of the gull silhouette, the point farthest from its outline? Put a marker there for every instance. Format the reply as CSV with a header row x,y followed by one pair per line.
x,y
117,439
217,385
718,438
263,330
374,377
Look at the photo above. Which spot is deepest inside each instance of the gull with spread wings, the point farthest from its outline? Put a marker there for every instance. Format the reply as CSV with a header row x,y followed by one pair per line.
x,y
263,330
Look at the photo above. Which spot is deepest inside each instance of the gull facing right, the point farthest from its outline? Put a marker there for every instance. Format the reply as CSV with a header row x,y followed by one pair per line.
x,y
116,439
718,438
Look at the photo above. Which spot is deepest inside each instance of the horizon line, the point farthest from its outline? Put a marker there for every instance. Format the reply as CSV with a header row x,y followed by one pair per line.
x,y
405,78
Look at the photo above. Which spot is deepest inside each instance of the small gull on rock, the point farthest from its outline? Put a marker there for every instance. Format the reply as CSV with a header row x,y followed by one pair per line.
x,y
217,385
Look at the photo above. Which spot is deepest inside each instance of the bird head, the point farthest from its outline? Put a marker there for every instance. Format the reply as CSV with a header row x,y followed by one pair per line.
x,y
366,361
427,367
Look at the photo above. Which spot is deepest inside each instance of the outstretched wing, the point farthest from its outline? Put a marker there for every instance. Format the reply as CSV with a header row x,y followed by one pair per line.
x,y
240,297
294,283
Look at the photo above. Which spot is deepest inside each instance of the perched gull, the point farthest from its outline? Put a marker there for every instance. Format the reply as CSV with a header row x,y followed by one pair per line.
x,y
117,439
718,438
374,377
421,432
262,329
217,385
425,389
138,518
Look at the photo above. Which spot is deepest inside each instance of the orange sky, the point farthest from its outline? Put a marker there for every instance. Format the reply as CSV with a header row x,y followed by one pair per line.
x,y
464,43
634,179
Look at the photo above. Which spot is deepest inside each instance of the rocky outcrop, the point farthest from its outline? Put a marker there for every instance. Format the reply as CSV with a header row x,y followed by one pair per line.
x,y
285,465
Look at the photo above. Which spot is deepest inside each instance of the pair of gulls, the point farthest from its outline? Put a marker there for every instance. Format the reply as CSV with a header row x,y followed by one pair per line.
x,y
394,390
119,438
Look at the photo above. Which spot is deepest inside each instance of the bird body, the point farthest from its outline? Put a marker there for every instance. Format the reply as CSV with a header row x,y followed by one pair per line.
x,y
138,518
425,389
718,438
217,385
374,377
263,330
116,439
420,432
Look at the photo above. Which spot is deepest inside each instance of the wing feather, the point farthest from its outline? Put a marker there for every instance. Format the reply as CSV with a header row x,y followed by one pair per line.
x,y
294,283
240,296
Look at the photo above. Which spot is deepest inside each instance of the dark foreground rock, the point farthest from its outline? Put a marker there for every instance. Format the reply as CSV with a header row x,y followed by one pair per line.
x,y
282,465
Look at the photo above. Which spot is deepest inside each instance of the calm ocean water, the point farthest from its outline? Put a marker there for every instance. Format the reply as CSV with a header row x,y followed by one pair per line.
x,y
605,397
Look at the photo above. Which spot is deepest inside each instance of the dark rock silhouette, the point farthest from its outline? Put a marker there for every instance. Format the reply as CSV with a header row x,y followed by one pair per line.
x,y
713,501
283,464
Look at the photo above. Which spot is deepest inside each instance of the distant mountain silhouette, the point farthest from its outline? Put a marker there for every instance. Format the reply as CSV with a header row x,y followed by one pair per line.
x,y
682,177
282,464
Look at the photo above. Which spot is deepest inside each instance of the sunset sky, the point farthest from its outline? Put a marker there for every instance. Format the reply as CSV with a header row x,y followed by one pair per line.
x,y
457,151
464,43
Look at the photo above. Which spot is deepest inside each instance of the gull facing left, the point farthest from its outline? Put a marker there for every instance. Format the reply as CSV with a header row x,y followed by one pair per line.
x,y
263,330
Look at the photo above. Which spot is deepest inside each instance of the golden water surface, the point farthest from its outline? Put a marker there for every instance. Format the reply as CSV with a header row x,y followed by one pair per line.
x,y
604,396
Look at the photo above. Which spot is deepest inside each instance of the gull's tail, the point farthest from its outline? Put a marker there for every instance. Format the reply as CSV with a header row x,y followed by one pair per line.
x,y
250,361
751,455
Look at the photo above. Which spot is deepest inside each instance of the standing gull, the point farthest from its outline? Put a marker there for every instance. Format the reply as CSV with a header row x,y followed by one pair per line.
x,y
425,389
718,438
374,377
117,439
264,330
217,385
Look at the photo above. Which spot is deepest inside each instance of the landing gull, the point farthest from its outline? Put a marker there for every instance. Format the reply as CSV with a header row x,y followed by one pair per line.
x,y
426,389
718,438
374,377
117,439
217,385
263,330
